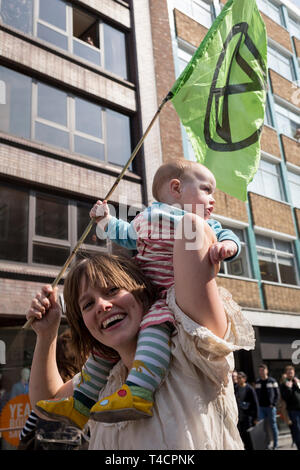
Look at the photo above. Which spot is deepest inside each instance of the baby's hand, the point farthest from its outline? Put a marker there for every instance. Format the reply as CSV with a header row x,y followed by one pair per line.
x,y
99,211
222,250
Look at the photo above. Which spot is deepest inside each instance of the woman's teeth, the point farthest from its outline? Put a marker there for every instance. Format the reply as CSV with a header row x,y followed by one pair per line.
x,y
112,319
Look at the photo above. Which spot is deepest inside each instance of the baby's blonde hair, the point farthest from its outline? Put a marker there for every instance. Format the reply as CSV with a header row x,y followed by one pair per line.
x,y
176,168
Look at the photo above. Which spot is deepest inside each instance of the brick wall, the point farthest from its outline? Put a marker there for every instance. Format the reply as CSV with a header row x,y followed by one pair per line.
x,y
170,130
297,215
284,88
280,298
16,295
229,206
269,141
277,32
188,29
297,46
271,214
245,293
37,58
291,150
52,173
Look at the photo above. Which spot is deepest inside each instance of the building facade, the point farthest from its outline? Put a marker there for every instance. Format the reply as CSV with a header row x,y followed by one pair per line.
x,y
80,80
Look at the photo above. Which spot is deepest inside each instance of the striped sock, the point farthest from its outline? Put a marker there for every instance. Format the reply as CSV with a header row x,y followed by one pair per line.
x,y
151,360
93,378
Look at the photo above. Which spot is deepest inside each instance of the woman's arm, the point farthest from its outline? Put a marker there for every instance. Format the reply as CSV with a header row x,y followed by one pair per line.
x,y
194,274
45,380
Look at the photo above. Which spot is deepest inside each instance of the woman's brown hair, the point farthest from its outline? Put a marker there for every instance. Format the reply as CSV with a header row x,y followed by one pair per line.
x,y
100,271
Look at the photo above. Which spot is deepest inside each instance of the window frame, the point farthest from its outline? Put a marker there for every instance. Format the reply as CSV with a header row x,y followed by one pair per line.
x,y
279,57
189,9
287,112
245,246
35,239
278,253
269,7
295,171
273,161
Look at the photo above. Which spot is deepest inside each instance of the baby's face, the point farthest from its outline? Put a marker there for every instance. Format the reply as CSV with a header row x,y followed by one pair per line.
x,y
197,190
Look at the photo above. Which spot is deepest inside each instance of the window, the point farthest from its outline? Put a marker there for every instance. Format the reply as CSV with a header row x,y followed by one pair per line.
x,y
294,183
268,115
14,210
70,28
240,266
15,104
18,14
56,225
52,22
281,64
199,10
294,27
62,119
184,56
287,121
272,10
267,181
276,260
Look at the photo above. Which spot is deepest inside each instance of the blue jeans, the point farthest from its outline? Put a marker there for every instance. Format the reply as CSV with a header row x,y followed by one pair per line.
x,y
269,413
295,418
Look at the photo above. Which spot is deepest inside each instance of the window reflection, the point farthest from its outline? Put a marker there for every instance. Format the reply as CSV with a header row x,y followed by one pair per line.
x,y
115,51
53,12
15,104
14,207
18,14
118,137
51,219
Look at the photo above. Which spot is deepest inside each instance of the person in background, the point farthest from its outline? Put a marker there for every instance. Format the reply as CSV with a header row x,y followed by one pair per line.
x,y
21,387
267,391
247,406
290,392
68,366
235,379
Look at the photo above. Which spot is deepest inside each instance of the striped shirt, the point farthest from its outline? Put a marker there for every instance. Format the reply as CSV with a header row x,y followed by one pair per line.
x,y
30,425
151,233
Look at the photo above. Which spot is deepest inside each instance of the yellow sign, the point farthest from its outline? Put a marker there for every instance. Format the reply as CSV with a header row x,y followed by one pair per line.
x,y
14,415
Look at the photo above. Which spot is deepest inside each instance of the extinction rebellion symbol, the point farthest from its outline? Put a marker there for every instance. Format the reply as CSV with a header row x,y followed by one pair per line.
x,y
217,93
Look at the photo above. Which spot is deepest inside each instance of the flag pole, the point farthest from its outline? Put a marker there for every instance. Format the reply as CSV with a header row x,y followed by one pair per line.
x,y
108,195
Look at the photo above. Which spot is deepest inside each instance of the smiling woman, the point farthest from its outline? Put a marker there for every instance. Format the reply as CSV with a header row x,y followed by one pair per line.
x,y
106,298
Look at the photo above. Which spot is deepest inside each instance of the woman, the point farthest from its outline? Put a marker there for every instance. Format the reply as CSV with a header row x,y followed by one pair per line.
x,y
195,406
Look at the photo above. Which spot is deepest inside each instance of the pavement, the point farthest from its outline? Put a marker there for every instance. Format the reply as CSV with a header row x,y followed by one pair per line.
x,y
285,442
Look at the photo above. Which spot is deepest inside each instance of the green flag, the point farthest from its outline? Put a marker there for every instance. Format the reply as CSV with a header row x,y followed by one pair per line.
x,y
220,96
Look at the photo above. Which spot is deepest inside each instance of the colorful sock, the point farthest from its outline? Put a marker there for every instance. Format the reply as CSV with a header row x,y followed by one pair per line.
x,y
151,360
93,378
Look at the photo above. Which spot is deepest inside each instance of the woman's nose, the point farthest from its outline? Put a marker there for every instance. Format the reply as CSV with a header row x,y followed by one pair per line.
x,y
103,305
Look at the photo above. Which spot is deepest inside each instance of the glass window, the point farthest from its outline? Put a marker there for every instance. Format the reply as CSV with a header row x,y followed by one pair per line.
x,y
294,27
294,183
18,14
52,104
52,22
202,13
276,260
272,10
287,121
268,115
118,137
50,255
239,266
280,63
83,220
53,12
86,36
89,147
267,181
15,105
14,207
199,10
51,217
51,135
49,35
88,118
115,51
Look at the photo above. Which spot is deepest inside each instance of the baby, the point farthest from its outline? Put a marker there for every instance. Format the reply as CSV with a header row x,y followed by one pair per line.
x,y
179,186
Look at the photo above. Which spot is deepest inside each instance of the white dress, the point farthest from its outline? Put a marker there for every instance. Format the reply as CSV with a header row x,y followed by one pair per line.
x,y
195,406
